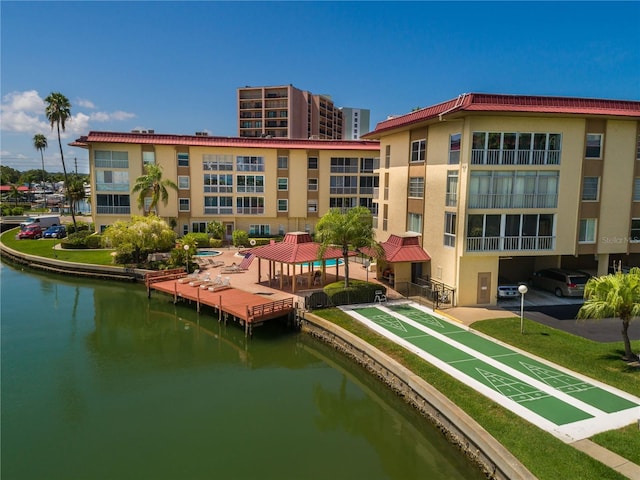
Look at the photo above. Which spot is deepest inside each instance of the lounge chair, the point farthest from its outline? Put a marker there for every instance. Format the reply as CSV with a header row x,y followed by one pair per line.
x,y
199,281
211,283
233,268
226,283
190,277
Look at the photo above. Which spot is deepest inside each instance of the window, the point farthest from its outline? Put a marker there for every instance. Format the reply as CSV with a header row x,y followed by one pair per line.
x,y
638,148
283,183
590,189
343,185
112,181
312,184
312,163
587,232
343,203
283,205
113,204
312,206
183,182
510,232
184,204
148,158
635,230
250,205
218,183
414,222
416,187
451,199
387,156
368,165
344,165
217,162
636,189
449,229
199,227
367,184
513,189
283,162
218,205
509,148
109,159
183,159
263,230
454,148
249,164
250,183
594,145
418,150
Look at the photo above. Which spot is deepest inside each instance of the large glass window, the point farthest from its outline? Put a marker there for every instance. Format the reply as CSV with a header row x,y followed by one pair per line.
x,y
218,205
513,189
387,154
218,183
249,164
509,148
594,145
344,165
414,222
250,205
451,199
343,185
110,159
368,165
112,181
418,150
587,232
250,183
258,229
217,162
113,204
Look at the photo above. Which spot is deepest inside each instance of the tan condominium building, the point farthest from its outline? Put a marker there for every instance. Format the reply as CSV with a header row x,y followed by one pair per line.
x,y
287,112
500,186
260,185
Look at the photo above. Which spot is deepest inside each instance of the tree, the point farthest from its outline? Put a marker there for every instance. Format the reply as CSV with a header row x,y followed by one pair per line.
x,y
344,230
139,237
152,184
614,296
215,229
58,111
15,193
40,144
75,191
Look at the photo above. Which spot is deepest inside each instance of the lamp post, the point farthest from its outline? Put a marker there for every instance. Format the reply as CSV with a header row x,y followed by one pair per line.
x,y
367,263
186,251
522,289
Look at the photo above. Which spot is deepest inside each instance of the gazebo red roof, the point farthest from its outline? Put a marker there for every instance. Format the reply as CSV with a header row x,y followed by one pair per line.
x,y
296,247
402,248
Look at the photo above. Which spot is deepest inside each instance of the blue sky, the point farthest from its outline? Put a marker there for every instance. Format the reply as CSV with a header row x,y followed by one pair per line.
x,y
175,66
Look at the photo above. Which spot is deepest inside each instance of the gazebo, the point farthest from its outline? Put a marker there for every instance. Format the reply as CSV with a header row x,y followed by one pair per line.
x,y
296,251
403,258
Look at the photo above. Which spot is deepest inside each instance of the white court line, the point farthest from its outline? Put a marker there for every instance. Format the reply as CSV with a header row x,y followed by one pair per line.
x,y
602,421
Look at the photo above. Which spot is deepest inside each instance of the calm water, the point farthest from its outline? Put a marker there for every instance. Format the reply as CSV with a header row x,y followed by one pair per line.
x,y
98,382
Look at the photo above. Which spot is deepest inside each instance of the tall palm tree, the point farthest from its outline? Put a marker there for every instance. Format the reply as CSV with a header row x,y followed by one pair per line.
x,y
344,230
614,296
58,111
15,193
75,192
151,183
40,143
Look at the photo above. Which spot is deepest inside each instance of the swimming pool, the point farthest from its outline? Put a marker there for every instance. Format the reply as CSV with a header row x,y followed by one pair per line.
x,y
208,253
329,263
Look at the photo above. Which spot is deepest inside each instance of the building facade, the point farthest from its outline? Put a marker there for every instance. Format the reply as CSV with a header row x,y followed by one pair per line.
x,y
355,122
287,112
499,186
260,185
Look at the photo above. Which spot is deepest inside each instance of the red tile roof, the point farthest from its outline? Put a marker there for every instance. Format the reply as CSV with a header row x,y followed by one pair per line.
x,y
211,141
296,247
480,102
402,248
7,188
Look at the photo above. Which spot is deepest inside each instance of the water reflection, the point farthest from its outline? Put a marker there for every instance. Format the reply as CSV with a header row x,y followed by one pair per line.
x,y
99,380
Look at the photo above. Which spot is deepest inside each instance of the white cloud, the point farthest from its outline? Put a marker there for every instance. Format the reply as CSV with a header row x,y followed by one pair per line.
x,y
81,102
28,101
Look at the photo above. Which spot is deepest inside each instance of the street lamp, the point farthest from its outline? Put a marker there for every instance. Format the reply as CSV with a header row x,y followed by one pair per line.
x,y
367,263
522,289
186,251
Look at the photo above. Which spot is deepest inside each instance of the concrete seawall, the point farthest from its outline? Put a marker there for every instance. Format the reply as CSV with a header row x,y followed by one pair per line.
x,y
494,459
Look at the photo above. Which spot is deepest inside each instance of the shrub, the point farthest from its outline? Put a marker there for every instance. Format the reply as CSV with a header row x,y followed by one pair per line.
x,y
94,241
76,240
200,239
358,291
82,226
240,238
215,243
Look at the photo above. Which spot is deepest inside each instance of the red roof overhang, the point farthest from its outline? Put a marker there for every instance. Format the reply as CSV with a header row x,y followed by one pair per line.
x,y
402,248
296,247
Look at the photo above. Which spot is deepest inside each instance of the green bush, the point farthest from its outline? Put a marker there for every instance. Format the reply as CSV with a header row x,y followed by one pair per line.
x,y
215,243
358,291
82,227
240,238
94,241
76,240
125,254
201,239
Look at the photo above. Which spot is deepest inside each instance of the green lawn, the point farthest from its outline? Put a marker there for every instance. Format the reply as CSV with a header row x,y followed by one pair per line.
x,y
44,248
543,454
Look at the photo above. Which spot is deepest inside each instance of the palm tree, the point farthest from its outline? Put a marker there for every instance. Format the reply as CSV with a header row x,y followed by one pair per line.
x,y
344,230
40,143
75,192
14,193
616,295
58,111
152,184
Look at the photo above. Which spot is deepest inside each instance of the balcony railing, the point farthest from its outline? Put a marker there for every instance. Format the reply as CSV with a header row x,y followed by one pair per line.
x,y
492,200
112,187
250,210
489,244
99,163
514,157
106,210
218,210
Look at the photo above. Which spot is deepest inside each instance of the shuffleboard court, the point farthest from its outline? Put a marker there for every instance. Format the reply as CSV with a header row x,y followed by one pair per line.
x,y
564,403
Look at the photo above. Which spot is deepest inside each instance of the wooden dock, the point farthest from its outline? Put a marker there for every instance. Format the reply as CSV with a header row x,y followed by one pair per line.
x,y
248,309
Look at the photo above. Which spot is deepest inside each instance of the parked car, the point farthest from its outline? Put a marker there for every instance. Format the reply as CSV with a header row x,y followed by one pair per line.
x,y
31,231
508,289
567,283
57,231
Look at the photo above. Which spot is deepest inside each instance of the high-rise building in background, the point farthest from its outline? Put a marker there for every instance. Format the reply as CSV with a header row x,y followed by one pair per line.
x,y
287,112
355,122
